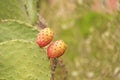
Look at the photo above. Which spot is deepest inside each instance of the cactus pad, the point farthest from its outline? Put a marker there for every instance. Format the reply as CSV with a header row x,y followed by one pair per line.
x,y
23,60
23,10
10,30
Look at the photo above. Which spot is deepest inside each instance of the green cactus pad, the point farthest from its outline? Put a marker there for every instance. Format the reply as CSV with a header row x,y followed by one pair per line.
x,y
23,10
11,29
23,60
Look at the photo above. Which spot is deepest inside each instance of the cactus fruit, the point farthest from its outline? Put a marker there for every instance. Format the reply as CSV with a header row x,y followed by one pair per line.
x,y
56,49
44,37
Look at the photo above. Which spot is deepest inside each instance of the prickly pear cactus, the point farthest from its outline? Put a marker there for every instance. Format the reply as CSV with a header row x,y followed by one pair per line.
x,y
12,29
20,56
24,10
22,60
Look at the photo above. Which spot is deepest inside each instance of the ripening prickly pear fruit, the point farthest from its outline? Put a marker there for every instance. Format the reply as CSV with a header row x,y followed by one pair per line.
x,y
56,49
45,37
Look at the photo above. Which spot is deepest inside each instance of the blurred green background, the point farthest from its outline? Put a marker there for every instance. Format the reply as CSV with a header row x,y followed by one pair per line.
x,y
91,29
